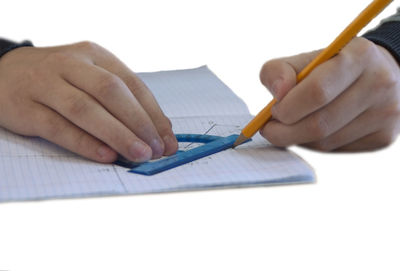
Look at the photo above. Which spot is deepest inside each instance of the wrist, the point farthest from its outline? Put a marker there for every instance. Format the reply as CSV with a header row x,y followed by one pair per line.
x,y
7,45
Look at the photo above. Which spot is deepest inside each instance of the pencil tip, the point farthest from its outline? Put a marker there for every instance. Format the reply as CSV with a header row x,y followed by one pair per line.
x,y
241,138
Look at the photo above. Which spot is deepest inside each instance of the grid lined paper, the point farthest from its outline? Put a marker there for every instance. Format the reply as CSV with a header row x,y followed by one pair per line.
x,y
197,102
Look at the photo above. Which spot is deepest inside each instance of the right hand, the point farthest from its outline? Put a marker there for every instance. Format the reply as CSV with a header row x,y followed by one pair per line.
x,y
84,99
349,103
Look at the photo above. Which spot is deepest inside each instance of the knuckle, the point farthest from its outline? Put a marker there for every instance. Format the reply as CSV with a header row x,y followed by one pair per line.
x,y
137,86
272,137
366,49
323,146
108,84
363,50
319,93
391,115
283,115
276,141
88,46
164,125
344,60
385,79
360,51
395,112
265,70
318,127
77,106
385,138
53,131
165,131
81,141
285,118
169,123
50,128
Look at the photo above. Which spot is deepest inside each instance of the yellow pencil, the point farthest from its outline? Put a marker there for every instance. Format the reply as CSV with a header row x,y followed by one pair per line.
x,y
345,37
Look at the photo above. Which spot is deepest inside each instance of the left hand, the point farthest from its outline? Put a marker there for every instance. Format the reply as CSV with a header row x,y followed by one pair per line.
x,y
349,103
83,98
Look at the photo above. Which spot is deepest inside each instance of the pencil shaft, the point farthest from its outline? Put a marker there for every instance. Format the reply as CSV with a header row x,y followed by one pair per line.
x,y
259,120
346,36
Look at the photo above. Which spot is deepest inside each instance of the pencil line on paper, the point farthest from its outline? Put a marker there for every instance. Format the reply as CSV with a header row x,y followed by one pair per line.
x,y
119,179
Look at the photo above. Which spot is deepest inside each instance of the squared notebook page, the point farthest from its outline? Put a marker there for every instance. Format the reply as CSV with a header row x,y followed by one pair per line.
x,y
193,93
32,168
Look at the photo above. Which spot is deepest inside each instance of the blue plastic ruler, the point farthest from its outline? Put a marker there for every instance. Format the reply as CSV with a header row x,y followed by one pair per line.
x,y
212,144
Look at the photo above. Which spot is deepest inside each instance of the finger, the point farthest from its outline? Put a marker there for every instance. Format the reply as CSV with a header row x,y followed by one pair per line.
x,y
86,113
112,93
326,121
52,126
279,75
367,123
109,62
382,123
369,142
150,105
322,85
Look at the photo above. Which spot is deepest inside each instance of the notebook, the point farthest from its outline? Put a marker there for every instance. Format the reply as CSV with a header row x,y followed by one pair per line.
x,y
197,102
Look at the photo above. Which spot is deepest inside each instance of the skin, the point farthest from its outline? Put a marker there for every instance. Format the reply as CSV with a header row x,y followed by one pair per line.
x,y
349,103
84,99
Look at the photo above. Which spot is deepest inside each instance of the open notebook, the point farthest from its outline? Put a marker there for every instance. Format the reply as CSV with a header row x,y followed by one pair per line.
x,y
196,101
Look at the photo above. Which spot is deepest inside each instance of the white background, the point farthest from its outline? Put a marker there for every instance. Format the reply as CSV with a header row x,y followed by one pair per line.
x,y
348,220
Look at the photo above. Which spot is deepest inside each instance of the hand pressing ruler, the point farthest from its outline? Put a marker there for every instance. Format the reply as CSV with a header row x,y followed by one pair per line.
x,y
211,144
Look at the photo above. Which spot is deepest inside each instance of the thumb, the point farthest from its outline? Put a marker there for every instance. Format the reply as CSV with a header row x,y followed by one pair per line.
x,y
279,75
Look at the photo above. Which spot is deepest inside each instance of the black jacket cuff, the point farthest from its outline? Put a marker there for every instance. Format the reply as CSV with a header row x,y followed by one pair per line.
x,y
387,35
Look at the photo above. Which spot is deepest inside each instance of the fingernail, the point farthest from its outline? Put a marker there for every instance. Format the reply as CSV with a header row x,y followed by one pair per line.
x,y
276,86
140,152
157,147
104,152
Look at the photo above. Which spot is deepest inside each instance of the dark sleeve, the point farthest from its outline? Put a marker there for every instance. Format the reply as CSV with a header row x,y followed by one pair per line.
x,y
7,45
387,35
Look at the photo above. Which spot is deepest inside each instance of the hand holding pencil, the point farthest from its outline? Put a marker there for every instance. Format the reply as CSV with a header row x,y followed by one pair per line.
x,y
333,103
